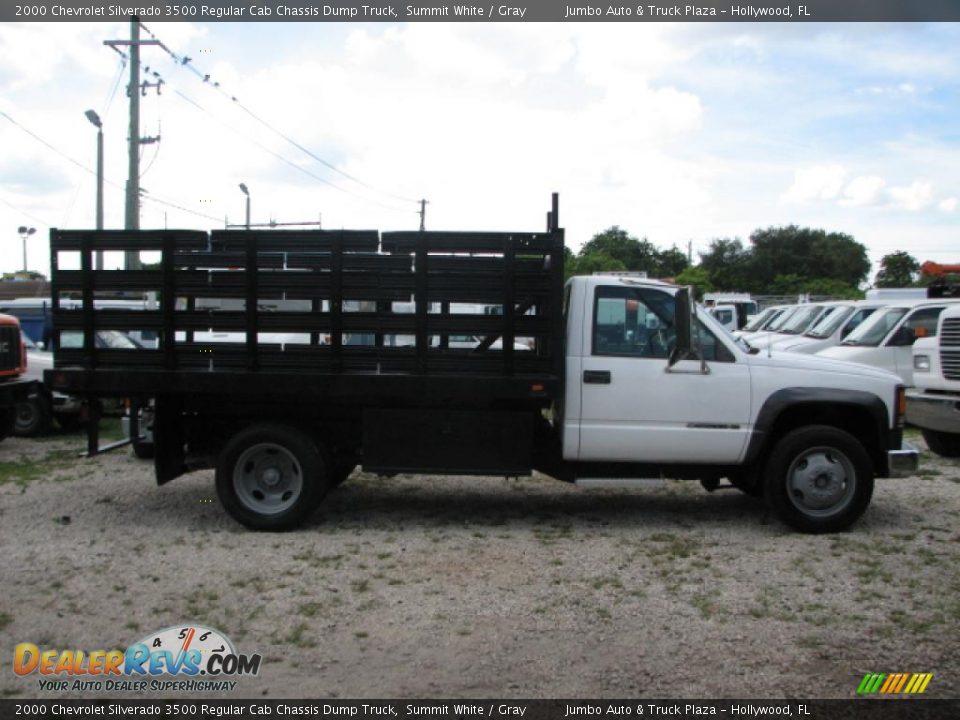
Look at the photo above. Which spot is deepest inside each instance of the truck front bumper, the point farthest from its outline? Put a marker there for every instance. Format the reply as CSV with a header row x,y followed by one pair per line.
x,y
903,462
933,411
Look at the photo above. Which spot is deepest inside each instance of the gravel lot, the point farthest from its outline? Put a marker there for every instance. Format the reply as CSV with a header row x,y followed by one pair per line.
x,y
465,587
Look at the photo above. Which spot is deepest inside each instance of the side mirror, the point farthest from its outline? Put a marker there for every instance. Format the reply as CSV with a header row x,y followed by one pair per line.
x,y
903,337
683,322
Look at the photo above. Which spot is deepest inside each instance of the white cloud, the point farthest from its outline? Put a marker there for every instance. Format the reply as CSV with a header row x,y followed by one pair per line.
x,y
676,132
819,182
916,196
863,190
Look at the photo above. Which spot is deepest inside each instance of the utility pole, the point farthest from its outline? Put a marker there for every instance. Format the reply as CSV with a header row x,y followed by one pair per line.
x,y
690,252
423,215
132,205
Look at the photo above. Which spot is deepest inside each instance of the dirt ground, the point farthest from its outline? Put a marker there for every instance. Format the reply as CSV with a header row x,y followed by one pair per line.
x,y
467,587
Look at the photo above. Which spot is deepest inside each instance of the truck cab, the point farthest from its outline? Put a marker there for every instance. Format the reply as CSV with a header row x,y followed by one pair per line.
x,y
934,404
14,387
885,339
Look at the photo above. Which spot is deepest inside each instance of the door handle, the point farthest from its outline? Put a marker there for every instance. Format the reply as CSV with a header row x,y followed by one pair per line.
x,y
596,377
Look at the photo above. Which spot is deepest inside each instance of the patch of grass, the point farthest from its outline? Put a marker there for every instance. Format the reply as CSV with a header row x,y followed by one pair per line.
x,y
360,586
5,619
873,570
706,604
298,636
674,546
310,609
10,692
201,603
612,581
360,635
771,605
25,470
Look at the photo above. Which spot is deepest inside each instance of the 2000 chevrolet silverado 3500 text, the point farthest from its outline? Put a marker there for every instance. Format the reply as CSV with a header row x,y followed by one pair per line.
x,y
623,377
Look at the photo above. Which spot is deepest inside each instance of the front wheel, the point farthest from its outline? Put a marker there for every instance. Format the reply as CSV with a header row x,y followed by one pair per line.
x,y
818,479
271,477
943,444
33,416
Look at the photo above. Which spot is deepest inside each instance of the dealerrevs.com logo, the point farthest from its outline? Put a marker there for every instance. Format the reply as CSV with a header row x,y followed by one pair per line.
x,y
187,658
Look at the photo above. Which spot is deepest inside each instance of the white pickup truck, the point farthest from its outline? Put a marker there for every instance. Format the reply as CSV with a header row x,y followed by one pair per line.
x,y
934,404
624,378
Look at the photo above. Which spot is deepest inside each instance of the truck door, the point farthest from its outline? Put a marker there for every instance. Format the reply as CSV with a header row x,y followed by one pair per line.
x,y
922,322
633,410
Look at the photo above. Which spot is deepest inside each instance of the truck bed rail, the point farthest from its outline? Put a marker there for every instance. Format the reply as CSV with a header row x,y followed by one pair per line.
x,y
316,301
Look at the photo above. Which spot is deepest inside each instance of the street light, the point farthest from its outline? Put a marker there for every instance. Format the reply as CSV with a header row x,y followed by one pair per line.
x,y
95,121
25,232
243,189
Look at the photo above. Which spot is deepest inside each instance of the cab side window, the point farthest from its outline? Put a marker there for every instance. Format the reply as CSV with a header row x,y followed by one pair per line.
x,y
639,322
626,323
921,323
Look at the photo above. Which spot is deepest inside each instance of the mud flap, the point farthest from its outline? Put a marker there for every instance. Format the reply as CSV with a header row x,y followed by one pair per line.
x,y
169,462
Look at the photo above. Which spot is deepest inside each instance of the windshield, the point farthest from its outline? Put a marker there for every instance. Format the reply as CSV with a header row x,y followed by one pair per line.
x,y
760,320
779,322
828,323
875,328
801,319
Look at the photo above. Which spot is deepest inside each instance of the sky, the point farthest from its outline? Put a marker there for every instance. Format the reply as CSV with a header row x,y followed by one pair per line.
x,y
680,133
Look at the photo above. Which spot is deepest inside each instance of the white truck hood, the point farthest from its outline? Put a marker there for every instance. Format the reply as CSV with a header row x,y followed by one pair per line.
x,y
820,363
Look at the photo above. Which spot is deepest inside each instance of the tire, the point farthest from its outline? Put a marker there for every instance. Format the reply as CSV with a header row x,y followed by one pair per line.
x,y
272,477
818,479
943,444
33,416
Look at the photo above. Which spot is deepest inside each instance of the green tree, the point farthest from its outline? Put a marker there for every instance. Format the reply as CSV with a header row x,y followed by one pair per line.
x,y
807,253
727,263
899,269
594,262
671,263
831,288
617,243
697,276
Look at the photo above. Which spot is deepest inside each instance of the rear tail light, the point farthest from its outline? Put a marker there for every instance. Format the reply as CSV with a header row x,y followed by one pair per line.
x,y
901,405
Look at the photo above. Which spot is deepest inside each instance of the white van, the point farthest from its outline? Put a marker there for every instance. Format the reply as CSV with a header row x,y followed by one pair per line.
x,y
831,328
764,326
885,339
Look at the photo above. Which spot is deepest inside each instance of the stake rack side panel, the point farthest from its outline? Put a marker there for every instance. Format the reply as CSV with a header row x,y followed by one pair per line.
x,y
312,301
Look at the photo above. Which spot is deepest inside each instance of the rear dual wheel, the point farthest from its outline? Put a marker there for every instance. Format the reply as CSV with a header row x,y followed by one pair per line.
x,y
272,476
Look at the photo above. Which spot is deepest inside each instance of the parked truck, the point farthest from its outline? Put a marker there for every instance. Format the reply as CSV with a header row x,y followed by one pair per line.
x,y
623,377
15,389
933,405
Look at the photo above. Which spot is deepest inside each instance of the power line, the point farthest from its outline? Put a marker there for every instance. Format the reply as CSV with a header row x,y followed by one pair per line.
x,y
266,149
93,172
24,212
278,156
187,62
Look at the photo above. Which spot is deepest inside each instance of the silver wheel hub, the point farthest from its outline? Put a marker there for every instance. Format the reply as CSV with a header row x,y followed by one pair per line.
x,y
268,478
821,481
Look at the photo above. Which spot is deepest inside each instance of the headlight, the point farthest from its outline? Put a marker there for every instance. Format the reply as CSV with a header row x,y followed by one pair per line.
x,y
921,363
